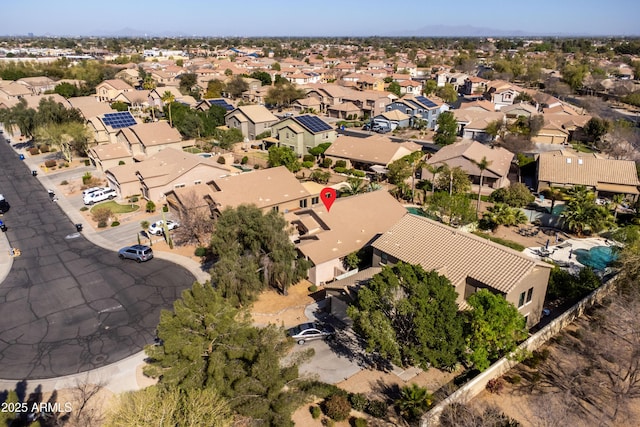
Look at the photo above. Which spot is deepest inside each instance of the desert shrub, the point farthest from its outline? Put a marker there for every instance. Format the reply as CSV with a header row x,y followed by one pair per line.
x,y
165,208
514,379
84,208
358,401
359,422
33,151
256,166
315,412
326,162
337,407
341,164
328,422
151,207
50,163
102,224
244,160
87,162
101,214
133,199
359,174
376,408
495,385
200,251
339,169
313,288
319,389
121,162
44,148
307,165
64,182
115,223
221,160
308,158
86,178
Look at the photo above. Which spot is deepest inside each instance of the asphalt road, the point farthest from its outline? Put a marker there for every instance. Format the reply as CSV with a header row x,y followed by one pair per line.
x,y
68,306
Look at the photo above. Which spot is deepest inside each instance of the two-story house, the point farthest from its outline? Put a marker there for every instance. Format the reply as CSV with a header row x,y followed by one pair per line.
x,y
301,133
252,120
108,90
419,107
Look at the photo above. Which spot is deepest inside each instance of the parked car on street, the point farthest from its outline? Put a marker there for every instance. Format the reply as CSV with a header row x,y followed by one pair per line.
x,y
4,205
157,227
99,196
138,253
311,331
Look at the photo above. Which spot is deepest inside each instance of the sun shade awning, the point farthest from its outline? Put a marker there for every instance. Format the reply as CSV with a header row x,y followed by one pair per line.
x,y
617,188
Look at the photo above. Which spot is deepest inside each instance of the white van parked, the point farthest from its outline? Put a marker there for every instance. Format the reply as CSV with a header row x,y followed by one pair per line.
x,y
99,196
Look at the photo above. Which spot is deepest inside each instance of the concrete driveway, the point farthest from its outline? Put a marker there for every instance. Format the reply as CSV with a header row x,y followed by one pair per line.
x,y
68,306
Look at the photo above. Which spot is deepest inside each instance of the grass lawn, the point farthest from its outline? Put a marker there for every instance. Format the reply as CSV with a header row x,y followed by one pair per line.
x,y
117,208
581,148
193,150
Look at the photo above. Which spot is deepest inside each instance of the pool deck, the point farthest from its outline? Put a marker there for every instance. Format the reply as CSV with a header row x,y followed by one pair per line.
x,y
559,253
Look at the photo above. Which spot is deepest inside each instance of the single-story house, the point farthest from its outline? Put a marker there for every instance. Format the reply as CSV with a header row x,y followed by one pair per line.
x,y
470,262
363,153
559,128
605,176
326,237
467,154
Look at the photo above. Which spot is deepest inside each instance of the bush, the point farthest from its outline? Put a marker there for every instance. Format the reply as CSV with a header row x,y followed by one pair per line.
x,y
221,160
339,169
495,385
121,162
115,223
86,178
308,158
244,160
151,207
84,208
50,163
315,412
319,389
341,164
102,224
359,422
101,215
514,379
328,422
256,166
165,208
64,182
337,407
307,165
358,401
312,288
326,162
34,151
376,408
44,148
133,199
359,174
87,162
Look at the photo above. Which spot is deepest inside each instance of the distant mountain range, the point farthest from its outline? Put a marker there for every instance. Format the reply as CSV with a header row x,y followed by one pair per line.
x,y
460,31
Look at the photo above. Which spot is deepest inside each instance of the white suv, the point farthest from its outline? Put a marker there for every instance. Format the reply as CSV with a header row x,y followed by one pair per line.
x,y
99,196
157,227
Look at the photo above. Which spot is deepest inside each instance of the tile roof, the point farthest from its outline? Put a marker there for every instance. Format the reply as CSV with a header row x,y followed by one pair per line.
x,y
477,119
474,151
455,254
351,224
562,167
155,133
263,188
255,113
90,107
376,149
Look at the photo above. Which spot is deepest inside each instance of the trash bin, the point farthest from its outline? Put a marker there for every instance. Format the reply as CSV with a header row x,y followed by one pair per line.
x,y
2,226
78,227
21,156
34,173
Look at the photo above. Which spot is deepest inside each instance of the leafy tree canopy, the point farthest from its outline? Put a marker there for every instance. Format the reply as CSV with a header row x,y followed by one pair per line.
x,y
494,328
447,129
454,179
283,156
515,195
410,317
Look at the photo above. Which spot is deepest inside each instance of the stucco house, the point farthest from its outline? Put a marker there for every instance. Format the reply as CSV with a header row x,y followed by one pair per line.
x,y
147,139
393,119
470,262
161,173
559,128
300,133
326,237
419,107
502,93
472,124
108,90
468,154
252,120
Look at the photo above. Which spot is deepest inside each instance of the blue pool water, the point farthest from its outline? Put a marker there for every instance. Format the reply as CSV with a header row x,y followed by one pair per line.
x,y
598,257
416,211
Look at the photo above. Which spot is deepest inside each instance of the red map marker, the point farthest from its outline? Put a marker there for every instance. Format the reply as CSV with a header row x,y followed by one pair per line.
x,y
328,196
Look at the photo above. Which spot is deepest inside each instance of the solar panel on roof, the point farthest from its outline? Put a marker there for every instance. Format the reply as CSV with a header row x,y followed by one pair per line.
x,y
313,123
119,120
426,101
221,103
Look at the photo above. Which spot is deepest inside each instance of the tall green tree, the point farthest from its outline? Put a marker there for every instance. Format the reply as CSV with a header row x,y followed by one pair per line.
x,y
454,209
215,88
596,128
206,343
516,195
168,98
283,156
283,94
410,317
236,86
253,251
447,129
582,215
494,328
483,165
454,180
69,138
187,82
263,76
447,93
394,87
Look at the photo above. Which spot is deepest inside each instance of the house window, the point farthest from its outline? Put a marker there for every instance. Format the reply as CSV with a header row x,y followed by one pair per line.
x,y
315,200
521,299
529,295
179,186
276,209
196,182
408,111
303,203
384,258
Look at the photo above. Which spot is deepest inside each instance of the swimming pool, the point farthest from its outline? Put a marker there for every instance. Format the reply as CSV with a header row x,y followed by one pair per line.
x,y
416,211
598,257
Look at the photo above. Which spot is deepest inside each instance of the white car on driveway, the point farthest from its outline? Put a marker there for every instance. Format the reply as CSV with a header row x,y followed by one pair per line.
x,y
157,227
99,196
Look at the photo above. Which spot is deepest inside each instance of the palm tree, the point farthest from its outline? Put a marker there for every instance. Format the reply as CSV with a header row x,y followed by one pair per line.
x,y
168,98
582,214
434,169
414,401
616,201
416,161
483,164
354,186
554,194
502,214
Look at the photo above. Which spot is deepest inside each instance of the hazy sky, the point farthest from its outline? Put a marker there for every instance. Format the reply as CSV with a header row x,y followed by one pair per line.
x,y
311,18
